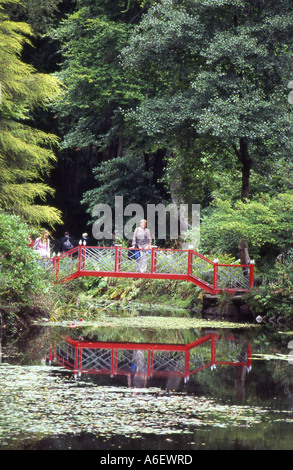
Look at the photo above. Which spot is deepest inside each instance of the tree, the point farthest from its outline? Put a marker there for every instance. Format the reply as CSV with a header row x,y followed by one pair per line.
x,y
220,71
96,89
96,94
26,153
265,225
124,176
39,14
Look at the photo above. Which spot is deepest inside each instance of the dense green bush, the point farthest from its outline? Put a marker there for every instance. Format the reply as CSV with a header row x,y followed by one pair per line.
x,y
274,296
21,275
265,223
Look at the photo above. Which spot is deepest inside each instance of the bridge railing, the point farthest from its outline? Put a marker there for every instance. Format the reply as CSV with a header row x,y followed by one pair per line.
x,y
188,265
152,359
66,265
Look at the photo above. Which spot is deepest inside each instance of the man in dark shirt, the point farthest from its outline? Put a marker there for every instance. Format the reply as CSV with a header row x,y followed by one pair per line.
x,y
66,243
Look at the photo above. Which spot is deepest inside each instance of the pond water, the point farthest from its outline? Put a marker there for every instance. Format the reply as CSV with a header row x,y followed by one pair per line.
x,y
107,386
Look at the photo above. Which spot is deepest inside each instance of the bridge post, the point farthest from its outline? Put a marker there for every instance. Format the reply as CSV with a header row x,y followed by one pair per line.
x,y
249,358
186,365
189,262
251,274
58,267
216,274
154,259
53,268
150,363
83,258
213,351
117,258
79,256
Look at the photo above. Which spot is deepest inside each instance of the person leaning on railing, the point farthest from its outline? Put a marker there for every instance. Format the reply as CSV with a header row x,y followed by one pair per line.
x,y
142,240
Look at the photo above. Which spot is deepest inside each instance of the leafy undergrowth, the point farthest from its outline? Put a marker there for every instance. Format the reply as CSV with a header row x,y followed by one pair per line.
x,y
94,293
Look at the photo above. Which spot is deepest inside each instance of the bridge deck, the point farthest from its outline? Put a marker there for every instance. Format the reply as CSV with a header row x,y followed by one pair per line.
x,y
186,265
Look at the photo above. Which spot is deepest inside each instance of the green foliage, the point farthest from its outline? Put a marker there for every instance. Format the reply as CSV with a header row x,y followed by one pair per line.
x,y
96,88
95,295
40,14
97,94
21,276
265,223
123,176
274,296
219,71
26,153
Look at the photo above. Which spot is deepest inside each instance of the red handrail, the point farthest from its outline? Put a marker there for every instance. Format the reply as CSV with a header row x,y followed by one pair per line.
x,y
212,287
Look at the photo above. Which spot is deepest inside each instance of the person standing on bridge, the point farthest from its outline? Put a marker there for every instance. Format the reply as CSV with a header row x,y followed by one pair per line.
x,y
66,243
84,238
142,238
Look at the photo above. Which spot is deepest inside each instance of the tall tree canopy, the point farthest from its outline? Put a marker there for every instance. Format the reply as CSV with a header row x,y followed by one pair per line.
x,y
95,90
26,153
96,95
220,71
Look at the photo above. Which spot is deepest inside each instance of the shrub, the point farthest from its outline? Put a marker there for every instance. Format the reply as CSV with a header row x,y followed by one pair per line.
x,y
20,273
274,296
265,223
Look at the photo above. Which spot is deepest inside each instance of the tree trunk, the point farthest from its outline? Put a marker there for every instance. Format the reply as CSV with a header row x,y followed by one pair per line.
x,y
246,162
243,252
120,146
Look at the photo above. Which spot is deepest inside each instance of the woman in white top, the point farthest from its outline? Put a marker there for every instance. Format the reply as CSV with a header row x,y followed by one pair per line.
x,y
42,245
142,238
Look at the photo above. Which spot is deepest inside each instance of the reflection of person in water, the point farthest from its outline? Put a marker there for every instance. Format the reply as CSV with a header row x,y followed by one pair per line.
x,y
241,374
138,375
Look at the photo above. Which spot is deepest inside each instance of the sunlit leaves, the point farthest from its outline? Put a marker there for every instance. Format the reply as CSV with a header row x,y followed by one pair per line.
x,y
26,154
264,222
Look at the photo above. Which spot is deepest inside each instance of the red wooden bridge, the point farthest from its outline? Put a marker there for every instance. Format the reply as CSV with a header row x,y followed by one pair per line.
x,y
185,265
150,359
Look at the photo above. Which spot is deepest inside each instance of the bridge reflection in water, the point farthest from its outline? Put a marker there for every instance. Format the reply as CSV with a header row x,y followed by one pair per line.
x,y
141,361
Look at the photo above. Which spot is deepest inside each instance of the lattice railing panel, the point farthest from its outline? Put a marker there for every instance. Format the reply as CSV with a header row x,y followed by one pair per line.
x,y
96,359
66,353
200,357
170,361
202,269
231,351
234,277
129,360
128,265
171,262
124,360
94,259
65,266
